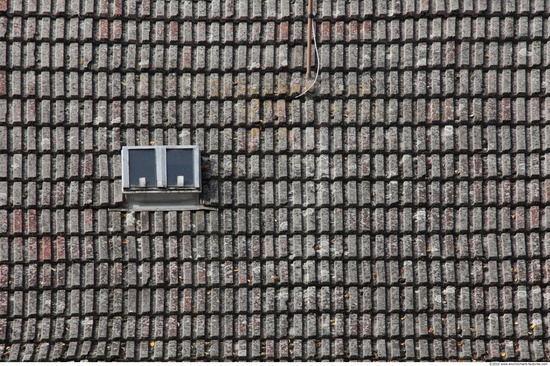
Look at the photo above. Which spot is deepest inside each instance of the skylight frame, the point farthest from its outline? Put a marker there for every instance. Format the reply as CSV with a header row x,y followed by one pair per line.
x,y
161,168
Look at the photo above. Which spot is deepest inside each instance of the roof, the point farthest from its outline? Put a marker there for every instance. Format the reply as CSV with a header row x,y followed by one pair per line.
x,y
398,211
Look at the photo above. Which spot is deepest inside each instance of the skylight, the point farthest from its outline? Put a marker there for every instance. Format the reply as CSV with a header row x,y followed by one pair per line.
x,y
161,177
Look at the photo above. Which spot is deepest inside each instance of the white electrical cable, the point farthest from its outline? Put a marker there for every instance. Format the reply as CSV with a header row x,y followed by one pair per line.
x,y
318,63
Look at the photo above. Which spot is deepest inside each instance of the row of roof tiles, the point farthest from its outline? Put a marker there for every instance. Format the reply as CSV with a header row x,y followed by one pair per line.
x,y
338,349
351,141
459,199
511,249
313,170
164,60
230,303
462,197
439,84
256,114
297,221
251,272
146,31
351,170
220,325
269,9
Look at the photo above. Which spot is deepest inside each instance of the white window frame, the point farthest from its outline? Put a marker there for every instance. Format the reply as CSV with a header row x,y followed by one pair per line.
x,y
160,160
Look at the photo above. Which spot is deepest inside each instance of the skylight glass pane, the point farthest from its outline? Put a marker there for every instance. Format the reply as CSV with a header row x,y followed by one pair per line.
x,y
180,163
142,164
